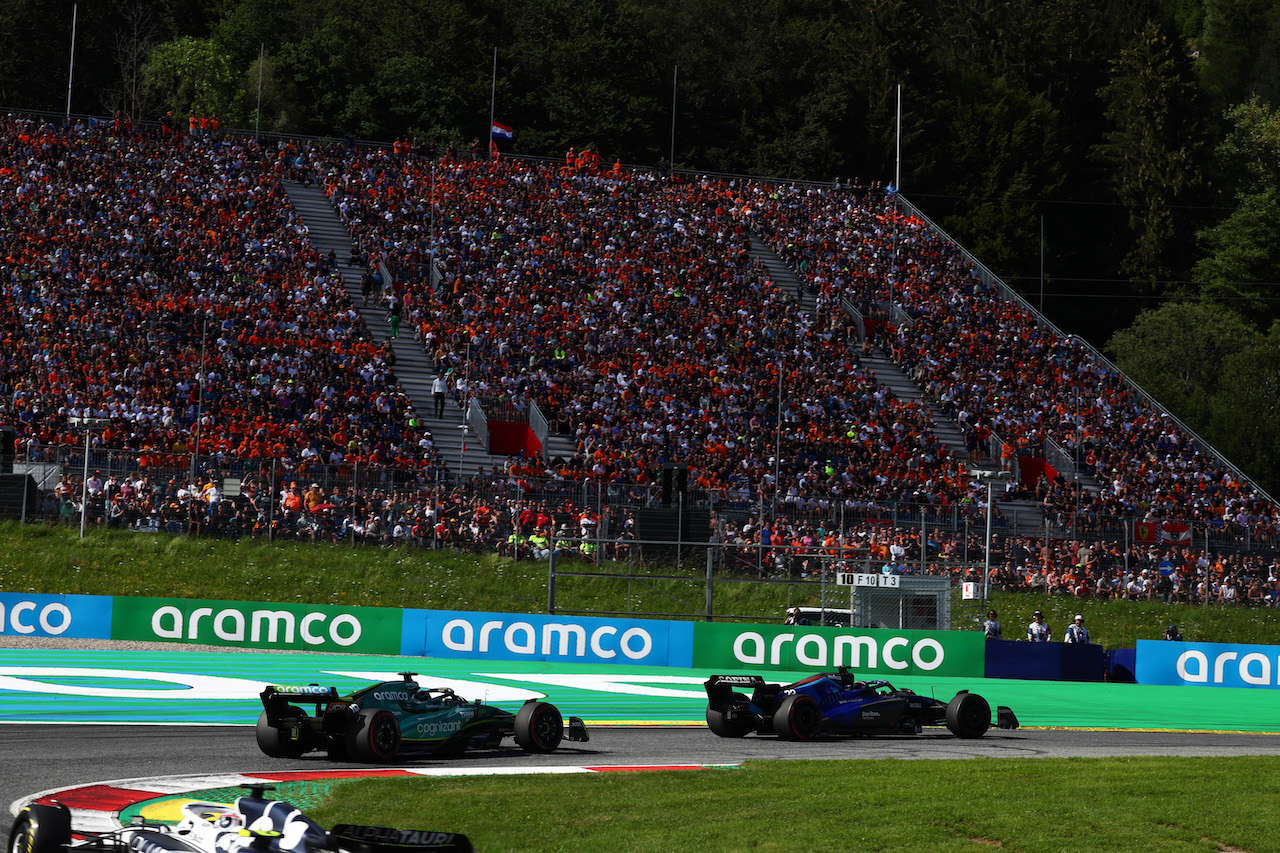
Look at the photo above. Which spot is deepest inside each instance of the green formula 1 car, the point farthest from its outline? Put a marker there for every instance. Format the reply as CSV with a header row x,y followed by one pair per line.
x,y
395,718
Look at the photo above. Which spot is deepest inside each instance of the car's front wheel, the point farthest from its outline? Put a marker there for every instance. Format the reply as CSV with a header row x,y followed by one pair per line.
x,y
374,736
727,728
968,715
539,727
282,743
41,828
797,718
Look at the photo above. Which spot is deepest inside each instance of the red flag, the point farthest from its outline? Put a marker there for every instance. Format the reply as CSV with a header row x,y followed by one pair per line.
x,y
1175,533
1146,533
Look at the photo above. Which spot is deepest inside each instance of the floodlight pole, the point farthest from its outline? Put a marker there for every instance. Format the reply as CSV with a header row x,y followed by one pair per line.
x,y
71,70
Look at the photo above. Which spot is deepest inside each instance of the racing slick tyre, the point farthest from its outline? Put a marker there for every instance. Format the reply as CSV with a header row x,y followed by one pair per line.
x,y
374,736
968,715
725,728
797,718
539,727
276,742
40,829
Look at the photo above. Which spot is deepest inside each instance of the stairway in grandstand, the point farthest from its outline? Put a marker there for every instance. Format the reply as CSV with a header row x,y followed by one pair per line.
x,y
1023,516
413,369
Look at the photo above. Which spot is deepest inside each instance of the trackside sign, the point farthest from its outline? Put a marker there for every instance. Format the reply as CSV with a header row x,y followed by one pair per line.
x,y
54,615
512,636
723,647
261,625
1208,664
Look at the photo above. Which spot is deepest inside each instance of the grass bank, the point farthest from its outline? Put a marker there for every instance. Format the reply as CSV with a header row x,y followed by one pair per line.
x,y
55,560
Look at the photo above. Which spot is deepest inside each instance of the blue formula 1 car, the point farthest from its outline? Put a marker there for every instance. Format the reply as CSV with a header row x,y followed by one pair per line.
x,y
833,703
392,718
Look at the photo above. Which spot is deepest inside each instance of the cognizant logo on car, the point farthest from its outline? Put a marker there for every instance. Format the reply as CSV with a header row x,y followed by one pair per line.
x,y
435,729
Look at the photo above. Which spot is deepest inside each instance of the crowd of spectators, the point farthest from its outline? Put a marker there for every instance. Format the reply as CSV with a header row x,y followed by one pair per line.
x,y
630,309
993,368
161,283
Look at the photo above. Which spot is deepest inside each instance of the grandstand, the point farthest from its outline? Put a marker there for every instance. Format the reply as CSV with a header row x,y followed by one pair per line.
x,y
259,328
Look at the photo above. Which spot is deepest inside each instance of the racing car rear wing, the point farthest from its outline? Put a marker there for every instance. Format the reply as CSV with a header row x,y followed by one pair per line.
x,y
309,692
735,681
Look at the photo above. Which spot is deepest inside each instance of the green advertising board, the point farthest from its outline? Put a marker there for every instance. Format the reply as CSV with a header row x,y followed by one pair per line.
x,y
869,653
259,625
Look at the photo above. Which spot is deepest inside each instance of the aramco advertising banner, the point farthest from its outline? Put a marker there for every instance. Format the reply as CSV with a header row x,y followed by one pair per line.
x,y
260,625
869,653
564,639
31,615
1207,664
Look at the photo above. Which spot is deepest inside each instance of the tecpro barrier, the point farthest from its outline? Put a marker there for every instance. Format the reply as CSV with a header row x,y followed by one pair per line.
x,y
1208,664
513,636
81,616
870,652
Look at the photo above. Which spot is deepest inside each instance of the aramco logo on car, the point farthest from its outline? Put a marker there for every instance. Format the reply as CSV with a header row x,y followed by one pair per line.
x,y
258,624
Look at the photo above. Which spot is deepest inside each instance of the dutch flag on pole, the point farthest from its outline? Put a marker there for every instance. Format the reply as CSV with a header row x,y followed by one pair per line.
x,y
501,131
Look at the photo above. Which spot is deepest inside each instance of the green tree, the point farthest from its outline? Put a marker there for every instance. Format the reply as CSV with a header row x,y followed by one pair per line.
x,y
1240,50
194,76
1177,353
1241,254
1151,147
998,151
1246,409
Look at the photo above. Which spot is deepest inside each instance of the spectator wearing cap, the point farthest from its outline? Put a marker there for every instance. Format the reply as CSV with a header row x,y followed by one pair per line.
x,y
1077,632
1173,634
1038,631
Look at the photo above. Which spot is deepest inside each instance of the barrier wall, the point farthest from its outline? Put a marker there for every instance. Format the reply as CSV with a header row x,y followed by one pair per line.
x,y
718,646
1044,661
1208,664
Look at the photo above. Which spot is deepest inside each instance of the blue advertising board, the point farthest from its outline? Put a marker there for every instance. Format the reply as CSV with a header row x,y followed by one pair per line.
x,y
32,615
511,636
1208,664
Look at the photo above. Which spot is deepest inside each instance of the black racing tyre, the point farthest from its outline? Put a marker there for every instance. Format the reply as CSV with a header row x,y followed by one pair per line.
x,y
724,728
276,742
797,718
539,727
374,736
968,715
40,828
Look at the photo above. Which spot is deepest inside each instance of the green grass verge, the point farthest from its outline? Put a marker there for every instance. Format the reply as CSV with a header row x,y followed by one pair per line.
x,y
54,560
1078,805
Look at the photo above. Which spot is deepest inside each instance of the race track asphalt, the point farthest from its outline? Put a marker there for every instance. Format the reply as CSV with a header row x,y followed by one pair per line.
x,y
38,758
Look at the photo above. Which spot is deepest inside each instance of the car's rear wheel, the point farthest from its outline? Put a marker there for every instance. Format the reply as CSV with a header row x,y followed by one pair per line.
x,y
374,736
40,828
968,715
797,718
723,727
281,743
539,727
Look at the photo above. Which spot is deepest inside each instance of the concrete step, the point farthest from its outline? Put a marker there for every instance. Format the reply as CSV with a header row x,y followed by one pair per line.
x,y
413,368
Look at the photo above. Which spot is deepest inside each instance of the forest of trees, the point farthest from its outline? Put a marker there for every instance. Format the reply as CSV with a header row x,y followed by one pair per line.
x,y
1116,161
